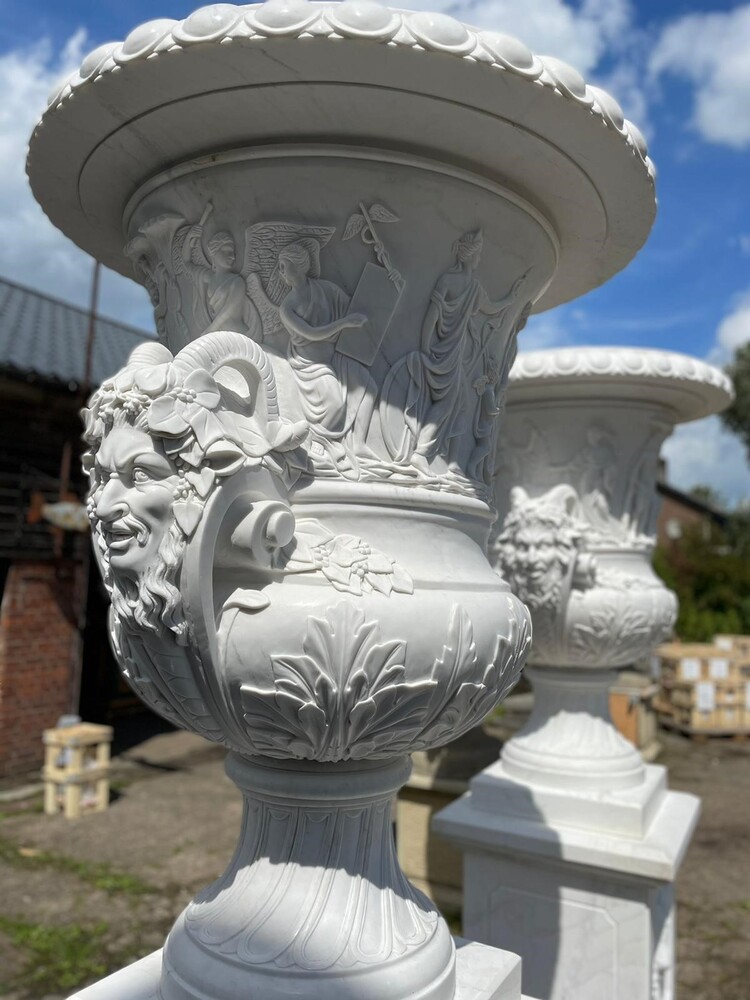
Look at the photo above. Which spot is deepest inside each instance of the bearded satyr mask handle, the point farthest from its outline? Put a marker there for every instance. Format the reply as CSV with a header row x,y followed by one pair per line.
x,y
166,435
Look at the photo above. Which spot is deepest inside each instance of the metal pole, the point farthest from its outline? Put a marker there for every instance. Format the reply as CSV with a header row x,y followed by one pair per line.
x,y
91,335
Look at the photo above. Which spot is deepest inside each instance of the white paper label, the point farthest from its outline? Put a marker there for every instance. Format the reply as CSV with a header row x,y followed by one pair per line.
x,y
747,696
723,642
718,669
705,693
690,668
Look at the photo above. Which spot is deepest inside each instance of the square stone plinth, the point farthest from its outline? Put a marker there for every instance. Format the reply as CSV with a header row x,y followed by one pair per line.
x,y
482,973
589,909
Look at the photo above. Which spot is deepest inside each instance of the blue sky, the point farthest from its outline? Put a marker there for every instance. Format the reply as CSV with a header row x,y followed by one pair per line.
x,y
681,70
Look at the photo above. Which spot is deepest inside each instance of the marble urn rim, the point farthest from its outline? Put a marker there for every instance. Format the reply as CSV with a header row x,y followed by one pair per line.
x,y
531,124
689,387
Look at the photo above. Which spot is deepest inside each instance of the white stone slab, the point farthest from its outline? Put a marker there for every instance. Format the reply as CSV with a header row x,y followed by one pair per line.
x,y
590,912
482,973
655,856
139,981
626,812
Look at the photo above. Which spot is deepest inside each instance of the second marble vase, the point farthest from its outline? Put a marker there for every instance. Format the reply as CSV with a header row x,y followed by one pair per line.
x,y
576,491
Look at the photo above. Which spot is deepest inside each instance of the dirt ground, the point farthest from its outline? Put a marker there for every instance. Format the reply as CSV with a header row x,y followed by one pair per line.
x,y
713,888
82,898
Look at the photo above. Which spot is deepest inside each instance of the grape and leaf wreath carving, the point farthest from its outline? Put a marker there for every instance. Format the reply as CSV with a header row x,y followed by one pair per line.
x,y
163,435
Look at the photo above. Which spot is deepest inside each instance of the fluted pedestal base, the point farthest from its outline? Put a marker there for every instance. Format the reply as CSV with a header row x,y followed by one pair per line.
x,y
313,903
569,742
579,883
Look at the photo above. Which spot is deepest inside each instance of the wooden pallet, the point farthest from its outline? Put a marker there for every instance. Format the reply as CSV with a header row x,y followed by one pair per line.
x,y
703,735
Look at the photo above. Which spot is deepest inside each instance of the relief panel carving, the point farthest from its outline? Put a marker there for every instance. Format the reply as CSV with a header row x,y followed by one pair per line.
x,y
427,417
576,539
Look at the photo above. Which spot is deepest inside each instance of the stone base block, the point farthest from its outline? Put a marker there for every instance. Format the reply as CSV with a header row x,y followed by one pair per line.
x,y
626,812
590,912
482,973
537,822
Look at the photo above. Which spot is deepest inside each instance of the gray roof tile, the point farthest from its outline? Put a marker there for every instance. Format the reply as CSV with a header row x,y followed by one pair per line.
x,y
43,337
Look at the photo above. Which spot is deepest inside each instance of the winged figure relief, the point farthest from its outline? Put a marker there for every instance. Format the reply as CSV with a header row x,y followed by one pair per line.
x,y
244,300
265,286
220,299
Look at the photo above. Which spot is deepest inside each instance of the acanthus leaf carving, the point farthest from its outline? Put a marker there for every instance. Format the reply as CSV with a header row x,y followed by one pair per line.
x,y
629,632
474,687
348,696
344,698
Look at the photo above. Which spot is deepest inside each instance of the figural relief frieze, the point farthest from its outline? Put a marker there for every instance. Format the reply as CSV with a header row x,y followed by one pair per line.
x,y
428,417
449,390
619,507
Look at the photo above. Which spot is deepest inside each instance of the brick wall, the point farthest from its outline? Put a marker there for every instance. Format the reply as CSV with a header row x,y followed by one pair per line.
x,y
39,656
676,517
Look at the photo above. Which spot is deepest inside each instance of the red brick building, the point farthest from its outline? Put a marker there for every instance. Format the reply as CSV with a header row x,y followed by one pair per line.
x,y
680,511
54,657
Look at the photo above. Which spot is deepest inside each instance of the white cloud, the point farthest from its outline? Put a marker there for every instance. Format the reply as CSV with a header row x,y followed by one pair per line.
x,y
32,251
545,331
706,453
580,35
732,332
712,51
586,35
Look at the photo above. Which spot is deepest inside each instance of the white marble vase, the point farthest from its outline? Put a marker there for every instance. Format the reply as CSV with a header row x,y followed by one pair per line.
x,y
572,842
343,214
576,492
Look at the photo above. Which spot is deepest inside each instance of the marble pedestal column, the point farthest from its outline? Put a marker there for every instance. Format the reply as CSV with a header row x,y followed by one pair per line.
x,y
571,844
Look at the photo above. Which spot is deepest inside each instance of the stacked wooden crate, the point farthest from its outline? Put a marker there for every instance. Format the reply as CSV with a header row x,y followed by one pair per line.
x,y
705,687
76,769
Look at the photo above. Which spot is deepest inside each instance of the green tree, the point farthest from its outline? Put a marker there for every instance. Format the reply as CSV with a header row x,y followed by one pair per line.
x,y
710,573
708,495
737,417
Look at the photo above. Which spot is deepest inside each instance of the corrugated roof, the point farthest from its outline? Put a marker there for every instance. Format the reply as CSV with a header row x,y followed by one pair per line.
x,y
46,338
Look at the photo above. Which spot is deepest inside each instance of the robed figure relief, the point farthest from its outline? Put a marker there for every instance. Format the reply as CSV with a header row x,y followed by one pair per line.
x,y
451,384
220,298
337,393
